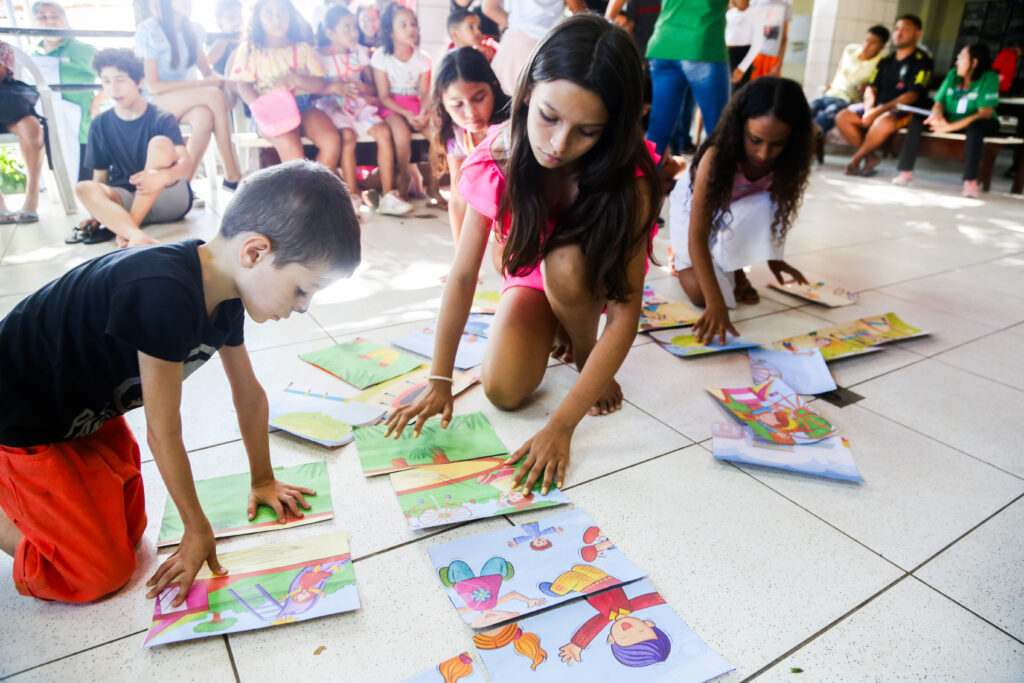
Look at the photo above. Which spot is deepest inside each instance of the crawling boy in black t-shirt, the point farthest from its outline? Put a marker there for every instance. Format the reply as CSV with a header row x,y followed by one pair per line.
x,y
133,324
140,165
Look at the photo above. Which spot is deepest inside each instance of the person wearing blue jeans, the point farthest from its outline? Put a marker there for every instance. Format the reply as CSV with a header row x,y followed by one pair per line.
x,y
687,50
709,83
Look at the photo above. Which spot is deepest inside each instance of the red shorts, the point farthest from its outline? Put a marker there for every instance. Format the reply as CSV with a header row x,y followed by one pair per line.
x,y
81,507
763,65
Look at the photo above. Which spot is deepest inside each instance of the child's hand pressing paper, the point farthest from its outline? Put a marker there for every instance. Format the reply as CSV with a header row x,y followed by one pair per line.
x,y
714,322
780,267
277,495
546,459
196,547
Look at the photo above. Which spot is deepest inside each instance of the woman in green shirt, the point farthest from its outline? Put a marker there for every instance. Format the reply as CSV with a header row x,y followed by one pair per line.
x,y
965,103
75,64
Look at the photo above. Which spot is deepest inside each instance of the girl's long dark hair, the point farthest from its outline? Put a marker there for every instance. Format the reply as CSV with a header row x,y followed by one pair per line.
x,y
783,99
980,52
166,19
299,30
612,216
461,64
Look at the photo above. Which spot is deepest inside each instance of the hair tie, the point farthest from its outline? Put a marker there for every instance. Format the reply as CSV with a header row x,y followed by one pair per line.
x,y
518,633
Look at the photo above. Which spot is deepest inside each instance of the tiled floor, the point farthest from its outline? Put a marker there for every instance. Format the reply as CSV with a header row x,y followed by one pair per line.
x,y
917,573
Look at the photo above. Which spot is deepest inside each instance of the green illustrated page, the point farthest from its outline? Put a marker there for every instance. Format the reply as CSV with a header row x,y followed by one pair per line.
x,y
361,363
466,437
224,500
435,495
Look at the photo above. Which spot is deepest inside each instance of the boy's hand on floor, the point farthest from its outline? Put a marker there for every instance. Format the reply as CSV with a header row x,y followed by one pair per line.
x,y
780,267
547,456
714,322
277,495
196,547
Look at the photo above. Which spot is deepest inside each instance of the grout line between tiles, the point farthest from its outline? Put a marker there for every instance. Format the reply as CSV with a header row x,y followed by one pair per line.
x,y
231,658
933,438
71,654
825,629
970,611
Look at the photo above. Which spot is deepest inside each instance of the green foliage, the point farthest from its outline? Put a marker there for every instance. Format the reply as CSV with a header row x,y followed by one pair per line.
x,y
12,173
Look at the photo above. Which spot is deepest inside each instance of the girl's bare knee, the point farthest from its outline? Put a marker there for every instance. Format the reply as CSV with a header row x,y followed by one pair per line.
x,y
565,276
502,396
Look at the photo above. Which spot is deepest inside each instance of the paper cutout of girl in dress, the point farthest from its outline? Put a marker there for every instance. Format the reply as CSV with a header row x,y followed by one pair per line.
x,y
535,535
526,644
481,593
634,642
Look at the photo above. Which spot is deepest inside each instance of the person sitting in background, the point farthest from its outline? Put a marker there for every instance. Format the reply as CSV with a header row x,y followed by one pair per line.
x,y
18,117
75,67
169,46
1009,64
464,30
966,102
899,79
140,165
229,20
855,68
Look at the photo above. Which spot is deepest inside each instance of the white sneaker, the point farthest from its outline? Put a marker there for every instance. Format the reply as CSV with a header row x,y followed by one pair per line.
x,y
393,205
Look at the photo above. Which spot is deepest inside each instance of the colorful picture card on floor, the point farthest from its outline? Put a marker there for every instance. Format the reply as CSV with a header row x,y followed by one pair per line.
x,y
269,585
825,293
459,668
466,437
469,354
623,635
852,338
829,457
486,301
361,363
479,324
658,313
319,416
502,575
805,372
774,412
404,390
687,346
224,501
434,495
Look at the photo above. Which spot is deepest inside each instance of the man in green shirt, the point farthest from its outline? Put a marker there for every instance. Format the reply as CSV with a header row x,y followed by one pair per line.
x,y
965,103
75,62
687,50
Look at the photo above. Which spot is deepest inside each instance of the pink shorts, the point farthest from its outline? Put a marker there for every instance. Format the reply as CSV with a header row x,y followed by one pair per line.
x,y
410,102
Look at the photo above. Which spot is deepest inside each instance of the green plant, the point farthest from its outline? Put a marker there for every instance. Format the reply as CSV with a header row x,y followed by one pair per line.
x,y
12,173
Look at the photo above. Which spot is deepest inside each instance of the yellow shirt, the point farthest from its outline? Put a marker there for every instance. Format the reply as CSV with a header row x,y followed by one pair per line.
x,y
852,74
263,66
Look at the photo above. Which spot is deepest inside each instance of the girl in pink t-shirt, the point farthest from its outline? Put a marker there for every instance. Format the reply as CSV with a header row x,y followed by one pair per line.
x,y
570,192
467,102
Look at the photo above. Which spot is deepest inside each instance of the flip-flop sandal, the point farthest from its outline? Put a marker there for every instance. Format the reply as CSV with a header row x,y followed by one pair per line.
x,y
8,217
26,217
99,235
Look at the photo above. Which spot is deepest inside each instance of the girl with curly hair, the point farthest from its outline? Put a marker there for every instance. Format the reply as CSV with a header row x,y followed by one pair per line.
x,y
746,184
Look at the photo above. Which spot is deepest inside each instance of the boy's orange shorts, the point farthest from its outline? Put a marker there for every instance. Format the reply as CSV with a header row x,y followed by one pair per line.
x,y
763,65
81,507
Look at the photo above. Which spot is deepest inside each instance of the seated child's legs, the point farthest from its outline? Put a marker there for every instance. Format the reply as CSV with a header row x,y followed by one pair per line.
x,y
518,345
385,155
318,128
402,136
81,509
348,160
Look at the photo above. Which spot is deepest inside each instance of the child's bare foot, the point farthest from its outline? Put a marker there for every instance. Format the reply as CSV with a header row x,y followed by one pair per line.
x,y
744,291
562,347
870,161
609,401
853,168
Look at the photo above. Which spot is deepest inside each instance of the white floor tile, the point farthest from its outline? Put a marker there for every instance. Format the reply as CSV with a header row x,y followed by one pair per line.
x,y
996,357
955,294
909,633
751,573
918,495
125,660
983,571
957,408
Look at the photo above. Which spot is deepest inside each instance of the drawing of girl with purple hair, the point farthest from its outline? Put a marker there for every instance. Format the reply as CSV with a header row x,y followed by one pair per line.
x,y
634,642
481,593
